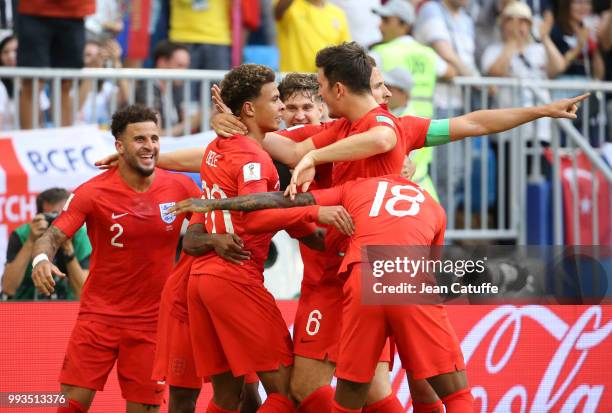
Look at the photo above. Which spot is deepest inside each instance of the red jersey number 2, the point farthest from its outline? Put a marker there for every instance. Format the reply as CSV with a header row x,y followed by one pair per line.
x,y
408,193
217,222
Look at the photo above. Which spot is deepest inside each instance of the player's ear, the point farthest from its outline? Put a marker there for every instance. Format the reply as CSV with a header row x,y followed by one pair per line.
x,y
248,109
339,89
119,146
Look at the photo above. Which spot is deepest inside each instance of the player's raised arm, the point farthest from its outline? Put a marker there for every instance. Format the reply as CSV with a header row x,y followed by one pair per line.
x,y
486,122
43,253
379,139
285,150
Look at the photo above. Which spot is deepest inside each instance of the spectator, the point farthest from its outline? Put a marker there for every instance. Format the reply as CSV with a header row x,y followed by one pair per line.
x,y
95,107
400,83
205,27
168,101
73,259
605,39
8,58
580,51
519,56
107,23
304,27
363,22
446,26
399,49
51,34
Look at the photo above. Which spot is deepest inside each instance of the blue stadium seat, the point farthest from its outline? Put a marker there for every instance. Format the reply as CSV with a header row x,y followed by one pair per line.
x,y
263,55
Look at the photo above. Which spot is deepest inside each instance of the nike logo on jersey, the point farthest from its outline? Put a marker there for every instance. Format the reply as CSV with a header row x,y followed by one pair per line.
x,y
117,216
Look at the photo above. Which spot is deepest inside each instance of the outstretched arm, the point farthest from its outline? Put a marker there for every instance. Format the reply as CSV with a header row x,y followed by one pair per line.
x,y
486,122
251,202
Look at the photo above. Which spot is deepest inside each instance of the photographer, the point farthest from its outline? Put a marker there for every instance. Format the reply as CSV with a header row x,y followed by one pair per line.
x,y
72,260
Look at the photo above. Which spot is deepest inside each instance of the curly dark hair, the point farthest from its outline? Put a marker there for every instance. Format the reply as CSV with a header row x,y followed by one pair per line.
x,y
348,64
131,114
305,83
244,83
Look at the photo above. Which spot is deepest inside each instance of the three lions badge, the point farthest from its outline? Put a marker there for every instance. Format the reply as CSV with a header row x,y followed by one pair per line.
x,y
163,211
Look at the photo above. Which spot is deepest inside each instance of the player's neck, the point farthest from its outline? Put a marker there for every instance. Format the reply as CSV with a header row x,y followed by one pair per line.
x,y
358,106
133,179
254,131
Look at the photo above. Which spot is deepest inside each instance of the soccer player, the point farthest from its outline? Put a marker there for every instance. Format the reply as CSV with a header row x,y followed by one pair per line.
x,y
232,340
315,342
174,363
134,241
388,210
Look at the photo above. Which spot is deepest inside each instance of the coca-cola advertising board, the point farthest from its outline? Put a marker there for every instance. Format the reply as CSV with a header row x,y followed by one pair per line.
x,y
531,359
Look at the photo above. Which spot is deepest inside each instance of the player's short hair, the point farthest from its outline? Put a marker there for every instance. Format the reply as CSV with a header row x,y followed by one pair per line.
x,y
50,196
165,49
131,114
348,64
244,83
305,83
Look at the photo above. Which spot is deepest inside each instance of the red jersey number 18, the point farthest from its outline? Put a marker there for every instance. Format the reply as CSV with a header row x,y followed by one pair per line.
x,y
414,200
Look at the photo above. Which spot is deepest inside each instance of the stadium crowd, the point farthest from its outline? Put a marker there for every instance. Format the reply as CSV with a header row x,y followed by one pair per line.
x,y
431,40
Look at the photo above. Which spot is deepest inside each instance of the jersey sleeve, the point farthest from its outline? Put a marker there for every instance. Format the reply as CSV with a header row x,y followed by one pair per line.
x,y
300,133
273,220
327,135
415,131
329,196
75,212
254,172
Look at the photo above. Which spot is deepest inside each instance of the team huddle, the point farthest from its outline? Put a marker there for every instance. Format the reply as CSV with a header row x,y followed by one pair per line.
x,y
208,317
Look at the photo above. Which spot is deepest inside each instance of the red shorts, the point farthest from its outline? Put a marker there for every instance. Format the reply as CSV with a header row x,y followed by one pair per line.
x,y
174,361
236,327
318,318
423,335
91,354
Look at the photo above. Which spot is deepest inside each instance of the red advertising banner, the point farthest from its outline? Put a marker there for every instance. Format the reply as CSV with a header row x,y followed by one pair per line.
x,y
519,358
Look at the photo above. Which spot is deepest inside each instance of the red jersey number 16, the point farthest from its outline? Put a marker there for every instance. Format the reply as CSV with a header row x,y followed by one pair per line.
x,y
414,201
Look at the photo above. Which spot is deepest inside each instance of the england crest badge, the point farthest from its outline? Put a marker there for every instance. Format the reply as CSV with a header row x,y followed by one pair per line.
x,y
163,211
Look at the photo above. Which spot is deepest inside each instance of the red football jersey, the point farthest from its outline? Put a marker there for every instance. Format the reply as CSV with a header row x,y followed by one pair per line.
x,y
299,133
134,244
390,162
239,166
414,131
388,210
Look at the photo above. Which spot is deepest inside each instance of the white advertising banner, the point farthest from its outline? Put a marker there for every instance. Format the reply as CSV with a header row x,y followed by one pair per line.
x,y
36,160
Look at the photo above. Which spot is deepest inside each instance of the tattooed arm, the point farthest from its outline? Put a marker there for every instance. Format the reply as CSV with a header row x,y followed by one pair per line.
x,y
198,242
331,214
252,202
43,253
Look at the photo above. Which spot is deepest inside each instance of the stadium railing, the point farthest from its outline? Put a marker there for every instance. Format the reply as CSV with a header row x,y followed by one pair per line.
x,y
520,168
471,214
